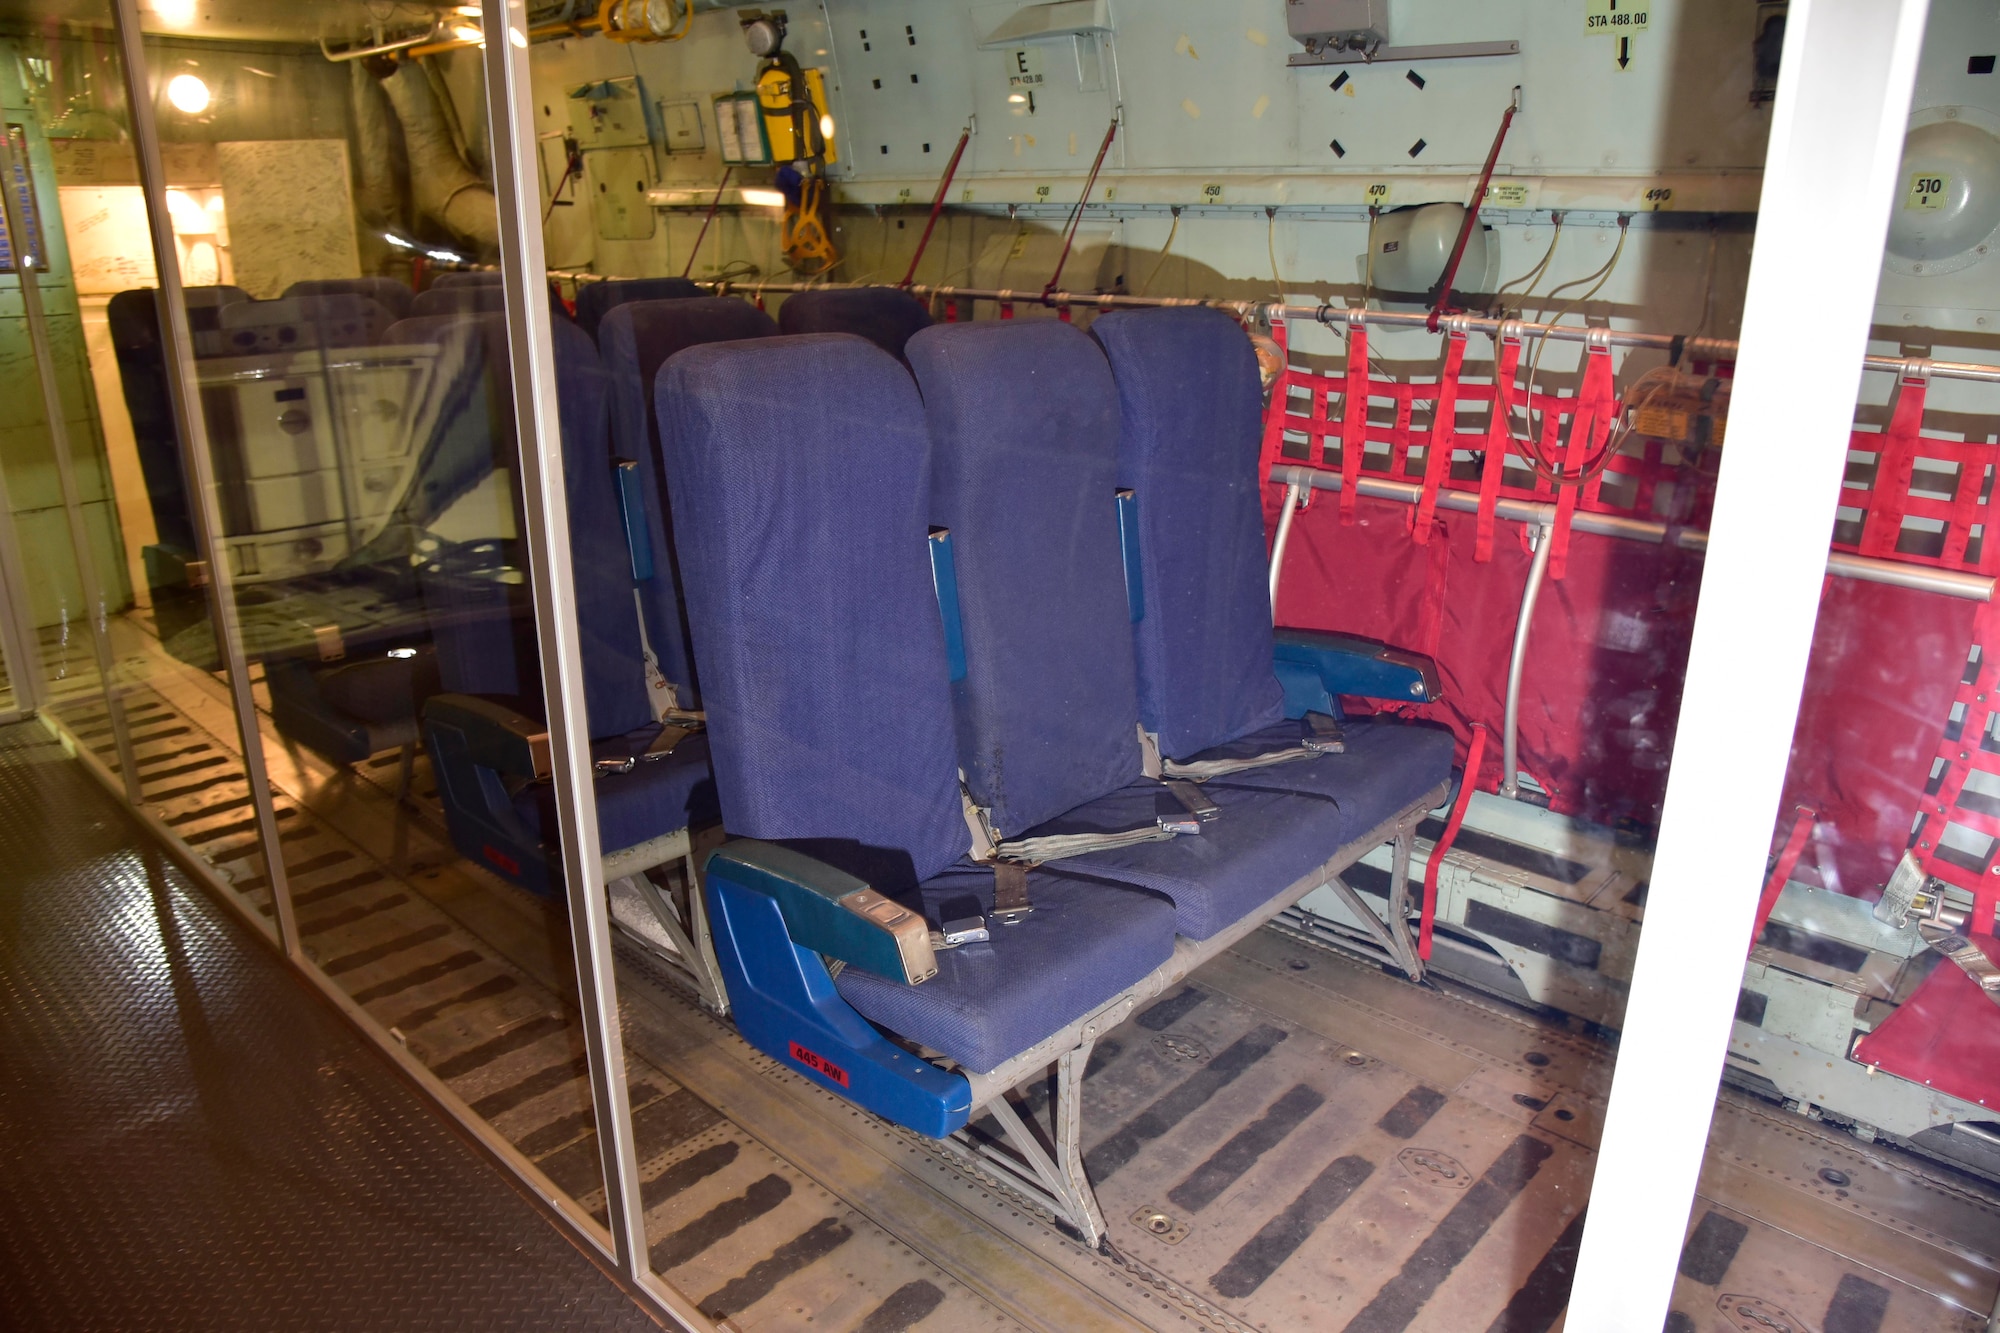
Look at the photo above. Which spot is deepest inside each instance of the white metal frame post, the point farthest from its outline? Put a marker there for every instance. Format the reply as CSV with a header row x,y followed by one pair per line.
x,y
538,425
1836,141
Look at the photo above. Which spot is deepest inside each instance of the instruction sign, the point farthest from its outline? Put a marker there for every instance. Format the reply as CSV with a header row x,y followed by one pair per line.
x,y
1617,18
1927,191
1024,69
1499,195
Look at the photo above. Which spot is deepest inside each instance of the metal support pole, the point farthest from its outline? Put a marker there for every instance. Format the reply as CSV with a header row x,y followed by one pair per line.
x,y
538,427
1294,493
1829,182
1538,538
52,409
191,425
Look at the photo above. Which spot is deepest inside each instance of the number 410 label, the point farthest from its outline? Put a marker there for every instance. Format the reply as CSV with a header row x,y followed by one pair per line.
x,y
1616,18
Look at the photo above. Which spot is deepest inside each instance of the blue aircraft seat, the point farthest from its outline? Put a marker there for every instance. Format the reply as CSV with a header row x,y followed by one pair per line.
x,y
471,277
596,299
485,297
1190,407
394,296
825,679
885,316
636,338
485,734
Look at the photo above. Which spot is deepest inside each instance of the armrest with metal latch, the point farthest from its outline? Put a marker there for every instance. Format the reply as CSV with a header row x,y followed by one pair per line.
x,y
1317,668
830,911
496,736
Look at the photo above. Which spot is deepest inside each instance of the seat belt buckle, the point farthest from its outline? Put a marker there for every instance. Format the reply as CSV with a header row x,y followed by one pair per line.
x,y
1183,826
624,764
965,930
1194,800
1010,892
1327,736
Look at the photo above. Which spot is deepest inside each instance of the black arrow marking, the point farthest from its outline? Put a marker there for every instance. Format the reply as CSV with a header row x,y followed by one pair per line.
x,y
1624,52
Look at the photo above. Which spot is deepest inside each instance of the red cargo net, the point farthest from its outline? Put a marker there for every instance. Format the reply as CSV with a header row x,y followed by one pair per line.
x,y
1365,425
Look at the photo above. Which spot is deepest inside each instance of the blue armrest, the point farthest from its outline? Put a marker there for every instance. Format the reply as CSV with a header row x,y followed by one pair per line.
x,y
783,995
632,510
496,737
1317,668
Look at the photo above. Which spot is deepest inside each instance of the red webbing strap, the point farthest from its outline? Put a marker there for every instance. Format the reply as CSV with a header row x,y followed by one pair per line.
x,y
1006,310
1588,426
1894,468
1499,436
1475,750
1444,439
1979,698
1964,511
1062,313
1803,819
1353,420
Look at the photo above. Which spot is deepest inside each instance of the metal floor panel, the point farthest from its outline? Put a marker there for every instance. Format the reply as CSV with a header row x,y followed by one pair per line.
x,y
1295,1140
190,1140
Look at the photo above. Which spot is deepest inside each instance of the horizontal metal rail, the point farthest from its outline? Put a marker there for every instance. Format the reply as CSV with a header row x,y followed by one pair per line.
x,y
1707,349
1922,578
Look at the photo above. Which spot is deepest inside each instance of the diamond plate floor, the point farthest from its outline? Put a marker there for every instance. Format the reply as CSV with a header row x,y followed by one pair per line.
x,y
188,1139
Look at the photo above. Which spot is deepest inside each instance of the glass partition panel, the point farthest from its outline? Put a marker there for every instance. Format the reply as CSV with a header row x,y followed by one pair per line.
x,y
1483,454
354,460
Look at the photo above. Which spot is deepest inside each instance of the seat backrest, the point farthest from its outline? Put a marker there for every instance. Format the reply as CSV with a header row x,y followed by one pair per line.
x,y
636,339
469,410
1024,430
821,652
476,277
1190,411
593,299
459,299
482,616
134,321
393,295
298,323
885,316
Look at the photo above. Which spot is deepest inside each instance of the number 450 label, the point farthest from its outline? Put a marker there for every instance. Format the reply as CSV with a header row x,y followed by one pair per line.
x,y
1616,18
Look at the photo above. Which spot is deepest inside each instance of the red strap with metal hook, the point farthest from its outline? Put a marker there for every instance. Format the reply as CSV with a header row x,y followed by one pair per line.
x,y
1444,438
1895,468
937,206
1353,420
1499,436
1475,751
1589,428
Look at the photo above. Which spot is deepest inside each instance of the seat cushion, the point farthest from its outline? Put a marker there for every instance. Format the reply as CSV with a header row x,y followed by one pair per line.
x,y
1261,844
635,806
1386,767
1083,944
595,299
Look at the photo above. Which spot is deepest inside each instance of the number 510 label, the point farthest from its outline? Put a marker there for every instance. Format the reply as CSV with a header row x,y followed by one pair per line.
x,y
1927,191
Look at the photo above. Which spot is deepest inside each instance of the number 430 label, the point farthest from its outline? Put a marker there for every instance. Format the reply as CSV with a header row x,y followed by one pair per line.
x,y
1927,191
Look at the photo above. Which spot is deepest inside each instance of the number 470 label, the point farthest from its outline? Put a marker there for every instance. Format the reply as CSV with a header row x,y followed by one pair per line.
x,y
1616,18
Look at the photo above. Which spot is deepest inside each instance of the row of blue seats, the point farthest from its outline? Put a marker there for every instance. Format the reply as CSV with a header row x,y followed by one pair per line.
x,y
964,627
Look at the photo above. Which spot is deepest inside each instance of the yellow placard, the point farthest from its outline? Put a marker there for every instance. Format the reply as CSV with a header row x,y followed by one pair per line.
x,y
1616,18
1211,194
1378,194
1501,195
1659,199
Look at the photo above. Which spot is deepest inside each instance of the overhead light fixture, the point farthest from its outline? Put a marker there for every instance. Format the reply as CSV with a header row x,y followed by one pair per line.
x,y
764,198
826,127
397,241
445,256
173,13
469,11
1017,98
188,94
465,32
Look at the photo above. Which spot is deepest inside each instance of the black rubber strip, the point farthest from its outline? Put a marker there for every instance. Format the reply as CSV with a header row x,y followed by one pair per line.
x,y
1279,1238
189,789
1228,1163
1712,1248
534,1085
1180,1102
720,1222
1545,1295
558,1133
1565,946
319,925
494,985
674,1118
908,1304
1412,1113
814,1243
382,990
386,949
1678,1322
1858,1306
1463,1228
1172,1009
687,1173
307,897
206,811
177,770
478,1057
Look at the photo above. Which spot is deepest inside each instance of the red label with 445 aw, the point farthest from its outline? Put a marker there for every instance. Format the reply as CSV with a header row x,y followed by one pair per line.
x,y
819,1064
